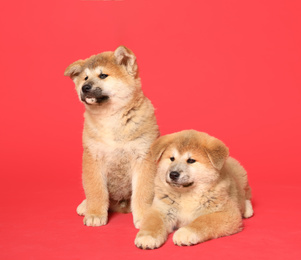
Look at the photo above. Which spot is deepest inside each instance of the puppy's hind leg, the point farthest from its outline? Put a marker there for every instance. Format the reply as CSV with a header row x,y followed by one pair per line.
x,y
82,208
248,205
248,209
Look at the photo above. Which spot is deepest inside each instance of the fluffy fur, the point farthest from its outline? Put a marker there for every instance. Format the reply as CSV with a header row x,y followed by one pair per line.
x,y
119,128
198,189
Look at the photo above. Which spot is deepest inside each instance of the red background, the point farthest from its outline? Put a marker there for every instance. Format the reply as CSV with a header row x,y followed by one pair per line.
x,y
229,68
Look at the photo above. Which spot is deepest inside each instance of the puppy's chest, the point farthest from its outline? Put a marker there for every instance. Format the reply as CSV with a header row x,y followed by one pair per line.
x,y
188,210
101,129
118,171
108,144
178,211
183,209
115,162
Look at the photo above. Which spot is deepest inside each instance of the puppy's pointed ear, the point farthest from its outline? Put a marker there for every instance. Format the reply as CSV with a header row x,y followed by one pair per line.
x,y
217,152
74,69
159,146
126,57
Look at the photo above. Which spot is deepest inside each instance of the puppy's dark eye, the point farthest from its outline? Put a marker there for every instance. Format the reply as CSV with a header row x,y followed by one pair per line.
x,y
86,78
190,160
103,76
172,158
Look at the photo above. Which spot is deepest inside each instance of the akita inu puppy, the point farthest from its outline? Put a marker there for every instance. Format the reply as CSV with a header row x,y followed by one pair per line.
x,y
119,128
198,189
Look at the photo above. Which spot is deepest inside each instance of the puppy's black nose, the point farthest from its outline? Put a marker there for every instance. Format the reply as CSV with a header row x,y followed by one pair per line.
x,y
174,175
86,88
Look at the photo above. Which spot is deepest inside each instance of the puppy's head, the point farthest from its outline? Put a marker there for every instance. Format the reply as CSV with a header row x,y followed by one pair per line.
x,y
189,158
105,77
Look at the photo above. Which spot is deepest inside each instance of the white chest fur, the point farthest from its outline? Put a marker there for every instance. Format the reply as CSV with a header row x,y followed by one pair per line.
x,y
188,210
108,142
180,209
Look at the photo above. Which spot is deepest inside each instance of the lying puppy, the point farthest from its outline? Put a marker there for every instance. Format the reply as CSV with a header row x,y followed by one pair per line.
x,y
119,128
198,189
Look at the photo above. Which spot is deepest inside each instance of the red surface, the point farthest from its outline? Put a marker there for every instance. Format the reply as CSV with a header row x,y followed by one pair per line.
x,y
229,68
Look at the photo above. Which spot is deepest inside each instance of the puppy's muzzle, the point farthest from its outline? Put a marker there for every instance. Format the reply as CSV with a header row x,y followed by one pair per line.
x,y
92,95
175,179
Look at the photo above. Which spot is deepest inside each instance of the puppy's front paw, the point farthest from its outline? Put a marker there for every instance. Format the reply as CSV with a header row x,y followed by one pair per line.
x,y
147,241
95,220
82,208
185,237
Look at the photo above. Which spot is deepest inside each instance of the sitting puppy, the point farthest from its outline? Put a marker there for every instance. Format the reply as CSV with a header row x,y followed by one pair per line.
x,y
119,128
198,189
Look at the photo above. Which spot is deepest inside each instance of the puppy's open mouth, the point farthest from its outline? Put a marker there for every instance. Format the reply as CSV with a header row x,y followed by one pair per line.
x,y
180,185
94,100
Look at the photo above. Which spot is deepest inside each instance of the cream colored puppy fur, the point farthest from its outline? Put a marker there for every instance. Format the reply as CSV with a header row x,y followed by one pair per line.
x,y
198,189
119,128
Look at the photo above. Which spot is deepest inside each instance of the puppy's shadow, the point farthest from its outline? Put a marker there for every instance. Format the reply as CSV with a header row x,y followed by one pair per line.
x,y
113,216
